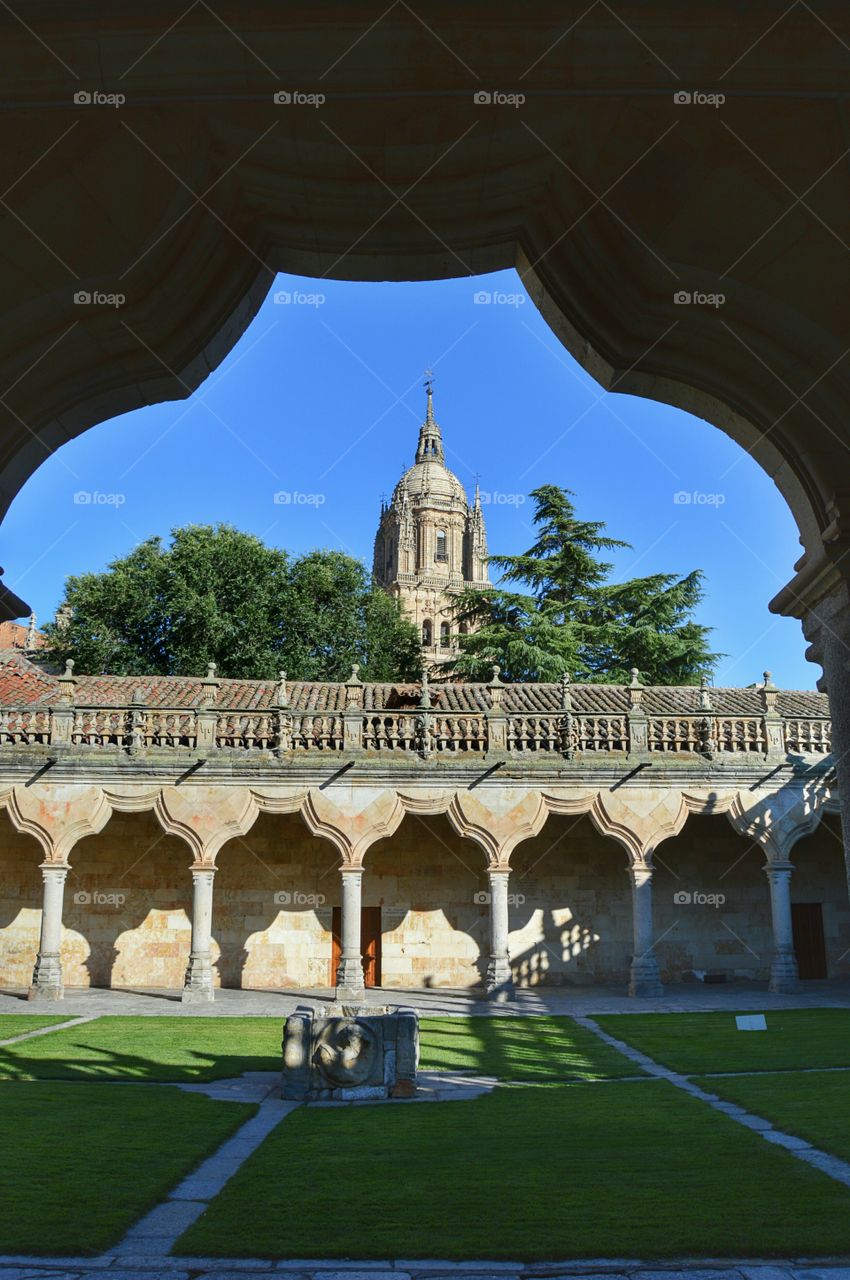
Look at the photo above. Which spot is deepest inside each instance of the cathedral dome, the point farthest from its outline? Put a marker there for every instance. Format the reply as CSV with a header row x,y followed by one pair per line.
x,y
429,476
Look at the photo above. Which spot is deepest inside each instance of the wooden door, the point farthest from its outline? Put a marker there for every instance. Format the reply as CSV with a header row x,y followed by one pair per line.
x,y
370,944
370,941
809,944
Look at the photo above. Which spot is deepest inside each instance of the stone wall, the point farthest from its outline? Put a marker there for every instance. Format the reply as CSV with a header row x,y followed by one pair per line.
x,y
570,910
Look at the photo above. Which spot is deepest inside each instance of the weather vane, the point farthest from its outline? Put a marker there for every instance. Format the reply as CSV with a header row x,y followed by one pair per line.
x,y
429,380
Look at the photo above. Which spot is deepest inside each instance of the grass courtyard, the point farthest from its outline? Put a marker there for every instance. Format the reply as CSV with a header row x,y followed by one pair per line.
x,y
570,1160
82,1162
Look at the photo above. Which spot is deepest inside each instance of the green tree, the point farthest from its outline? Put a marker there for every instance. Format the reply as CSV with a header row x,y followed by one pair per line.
x,y
216,594
571,618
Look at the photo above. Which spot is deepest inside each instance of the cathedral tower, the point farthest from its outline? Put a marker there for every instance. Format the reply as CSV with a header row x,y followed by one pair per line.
x,y
431,543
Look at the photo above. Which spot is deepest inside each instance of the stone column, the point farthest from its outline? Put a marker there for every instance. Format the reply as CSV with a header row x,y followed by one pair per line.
x,y
644,977
499,980
349,975
47,974
834,655
783,966
198,983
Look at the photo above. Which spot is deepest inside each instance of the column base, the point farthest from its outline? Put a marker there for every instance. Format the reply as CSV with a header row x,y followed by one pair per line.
x,y
645,978
197,995
47,979
784,974
198,983
350,995
499,982
349,979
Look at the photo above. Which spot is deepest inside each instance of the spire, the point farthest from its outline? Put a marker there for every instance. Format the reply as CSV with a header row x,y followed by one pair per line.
x,y
430,447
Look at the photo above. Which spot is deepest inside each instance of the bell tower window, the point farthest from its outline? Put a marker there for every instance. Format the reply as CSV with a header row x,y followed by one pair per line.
x,y
441,554
445,637
426,634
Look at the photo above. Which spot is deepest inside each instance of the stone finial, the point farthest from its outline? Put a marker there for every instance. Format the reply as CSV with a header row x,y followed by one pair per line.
x,y
566,699
354,688
210,686
425,694
769,693
635,689
704,698
496,686
635,675
282,691
138,695
66,682
32,632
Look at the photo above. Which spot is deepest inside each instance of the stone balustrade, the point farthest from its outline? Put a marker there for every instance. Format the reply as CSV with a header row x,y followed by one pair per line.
x,y
419,732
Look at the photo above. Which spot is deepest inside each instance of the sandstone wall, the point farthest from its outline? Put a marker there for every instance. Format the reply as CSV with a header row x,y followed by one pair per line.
x,y
128,902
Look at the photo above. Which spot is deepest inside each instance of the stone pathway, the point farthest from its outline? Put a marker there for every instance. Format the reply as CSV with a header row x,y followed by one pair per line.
x,y
680,998
44,1031
832,1166
154,1266
159,1230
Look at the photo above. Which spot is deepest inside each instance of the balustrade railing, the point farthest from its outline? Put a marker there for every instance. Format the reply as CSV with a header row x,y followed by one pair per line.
x,y
425,731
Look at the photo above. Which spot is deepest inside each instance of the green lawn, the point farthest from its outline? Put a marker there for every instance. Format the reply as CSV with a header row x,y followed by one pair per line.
x,y
510,1048
83,1161
15,1024
583,1170
698,1042
814,1107
117,1048
187,1049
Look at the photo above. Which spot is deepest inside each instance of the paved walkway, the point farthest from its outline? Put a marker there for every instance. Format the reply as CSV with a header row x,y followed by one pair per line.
x,y
150,1267
587,1001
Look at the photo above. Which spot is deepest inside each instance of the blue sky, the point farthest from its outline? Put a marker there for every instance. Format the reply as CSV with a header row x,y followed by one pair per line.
x,y
321,400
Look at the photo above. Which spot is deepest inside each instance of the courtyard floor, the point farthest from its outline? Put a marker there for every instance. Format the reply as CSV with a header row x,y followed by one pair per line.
x,y
682,997
573,1140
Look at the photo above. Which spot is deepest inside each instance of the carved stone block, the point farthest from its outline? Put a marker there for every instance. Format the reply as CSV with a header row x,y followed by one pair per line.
x,y
359,1053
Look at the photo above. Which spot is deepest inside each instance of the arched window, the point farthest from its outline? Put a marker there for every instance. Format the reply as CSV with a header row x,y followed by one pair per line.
x,y
445,637
464,629
442,552
426,633
389,560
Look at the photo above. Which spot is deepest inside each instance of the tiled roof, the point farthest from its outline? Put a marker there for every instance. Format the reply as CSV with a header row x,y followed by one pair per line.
x,y
22,682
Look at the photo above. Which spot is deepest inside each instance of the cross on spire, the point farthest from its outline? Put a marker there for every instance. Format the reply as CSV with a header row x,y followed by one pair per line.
x,y
429,391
